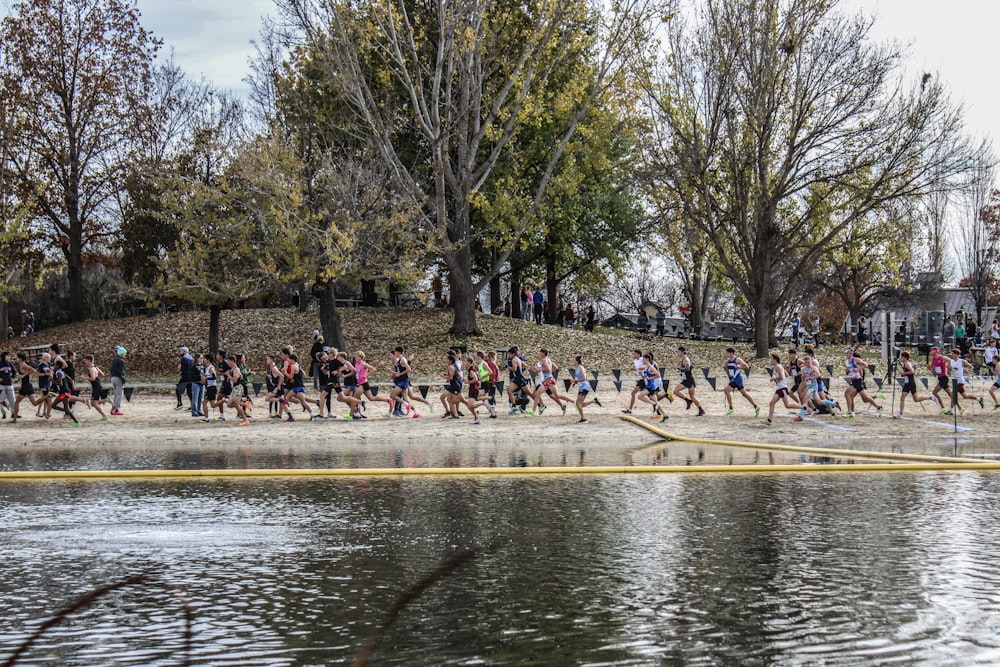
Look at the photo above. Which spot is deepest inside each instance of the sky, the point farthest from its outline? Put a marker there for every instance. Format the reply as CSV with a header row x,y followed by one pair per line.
x,y
953,40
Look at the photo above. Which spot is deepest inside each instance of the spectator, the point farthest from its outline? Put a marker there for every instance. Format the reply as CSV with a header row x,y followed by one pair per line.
x,y
796,327
538,300
862,331
591,317
661,322
948,332
527,301
643,321
117,372
186,369
960,339
314,354
437,285
569,317
506,307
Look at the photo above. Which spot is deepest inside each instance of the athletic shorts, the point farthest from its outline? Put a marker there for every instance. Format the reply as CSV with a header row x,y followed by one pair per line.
x,y
640,384
550,382
366,387
26,389
796,385
95,393
582,392
910,386
490,389
943,381
473,391
961,387
298,390
454,387
781,392
518,382
689,383
211,392
736,383
858,385
997,384
402,384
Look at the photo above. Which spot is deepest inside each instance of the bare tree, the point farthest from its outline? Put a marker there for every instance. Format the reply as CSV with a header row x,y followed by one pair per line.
x,y
465,75
79,73
785,125
977,243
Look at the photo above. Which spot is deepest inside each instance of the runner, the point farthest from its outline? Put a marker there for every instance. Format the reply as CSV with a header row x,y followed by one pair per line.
x,y
958,367
451,396
809,368
780,379
349,378
362,368
44,373
687,382
63,385
906,372
7,373
94,377
939,367
640,382
582,388
653,384
517,382
295,383
211,388
735,367
400,372
546,372
234,378
855,378
27,390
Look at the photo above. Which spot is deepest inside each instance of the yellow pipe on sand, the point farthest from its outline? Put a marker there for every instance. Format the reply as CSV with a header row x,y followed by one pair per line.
x,y
815,451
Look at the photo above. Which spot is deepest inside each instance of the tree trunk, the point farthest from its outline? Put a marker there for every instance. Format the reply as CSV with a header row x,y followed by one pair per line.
x,y
762,329
4,322
496,299
304,297
74,272
463,298
515,294
697,303
551,287
329,316
214,315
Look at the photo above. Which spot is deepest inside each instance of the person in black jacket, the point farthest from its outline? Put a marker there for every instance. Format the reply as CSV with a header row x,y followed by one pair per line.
x,y
118,380
314,354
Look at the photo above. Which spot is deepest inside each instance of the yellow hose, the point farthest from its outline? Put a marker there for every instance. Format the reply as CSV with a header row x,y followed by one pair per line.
x,y
49,475
815,451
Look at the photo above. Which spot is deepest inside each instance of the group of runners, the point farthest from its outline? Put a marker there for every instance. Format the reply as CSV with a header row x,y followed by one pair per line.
x,y
52,385
471,381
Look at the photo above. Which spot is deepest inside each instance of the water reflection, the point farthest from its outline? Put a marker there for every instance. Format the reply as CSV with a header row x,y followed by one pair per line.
x,y
648,570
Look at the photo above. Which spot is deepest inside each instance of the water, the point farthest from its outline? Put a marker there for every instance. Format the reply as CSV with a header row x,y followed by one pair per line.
x,y
588,570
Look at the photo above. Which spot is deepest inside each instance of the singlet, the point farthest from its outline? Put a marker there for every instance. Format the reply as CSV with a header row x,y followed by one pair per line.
x,y
545,370
211,379
96,382
939,366
958,370
809,372
796,369
484,372
244,376
639,366
361,372
351,379
733,368
273,377
686,375
516,375
782,382
44,380
405,377
581,380
297,380
6,374
989,354
853,372
61,381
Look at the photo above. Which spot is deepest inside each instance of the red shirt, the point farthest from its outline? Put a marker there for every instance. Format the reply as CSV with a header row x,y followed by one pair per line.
x,y
940,366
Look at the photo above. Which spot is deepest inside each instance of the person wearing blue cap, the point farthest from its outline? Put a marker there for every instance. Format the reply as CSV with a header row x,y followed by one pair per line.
x,y
118,380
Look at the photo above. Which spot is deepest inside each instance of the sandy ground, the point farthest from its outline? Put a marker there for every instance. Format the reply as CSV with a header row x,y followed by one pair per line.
x,y
150,420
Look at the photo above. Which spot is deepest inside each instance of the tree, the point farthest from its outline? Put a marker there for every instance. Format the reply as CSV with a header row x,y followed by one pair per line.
x,y
978,240
441,90
783,126
78,74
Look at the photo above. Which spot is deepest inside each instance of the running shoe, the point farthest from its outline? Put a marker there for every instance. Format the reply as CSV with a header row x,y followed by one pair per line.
x,y
74,425
980,399
597,402
765,422
729,411
701,412
879,410
880,396
179,407
529,412
756,411
313,417
961,411
582,421
850,415
245,422
105,418
947,412
206,420
897,416
688,401
670,396
476,421
797,418
290,418
541,409
626,411
414,415
222,418
563,408
512,411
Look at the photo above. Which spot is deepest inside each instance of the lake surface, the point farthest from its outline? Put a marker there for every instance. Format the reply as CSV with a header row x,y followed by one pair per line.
x,y
763,569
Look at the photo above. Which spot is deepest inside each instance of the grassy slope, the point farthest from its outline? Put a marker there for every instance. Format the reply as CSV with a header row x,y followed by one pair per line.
x,y
152,342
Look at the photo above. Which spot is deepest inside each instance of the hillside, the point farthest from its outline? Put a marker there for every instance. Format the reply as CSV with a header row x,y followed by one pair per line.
x,y
152,342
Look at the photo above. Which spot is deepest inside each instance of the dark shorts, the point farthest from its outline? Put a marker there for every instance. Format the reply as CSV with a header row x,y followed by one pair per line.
x,y
95,393
211,392
910,386
943,381
26,389
473,391
736,383
689,383
640,384
781,392
858,385
518,382
366,387
582,392
404,384
490,389
961,387
454,387
796,385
